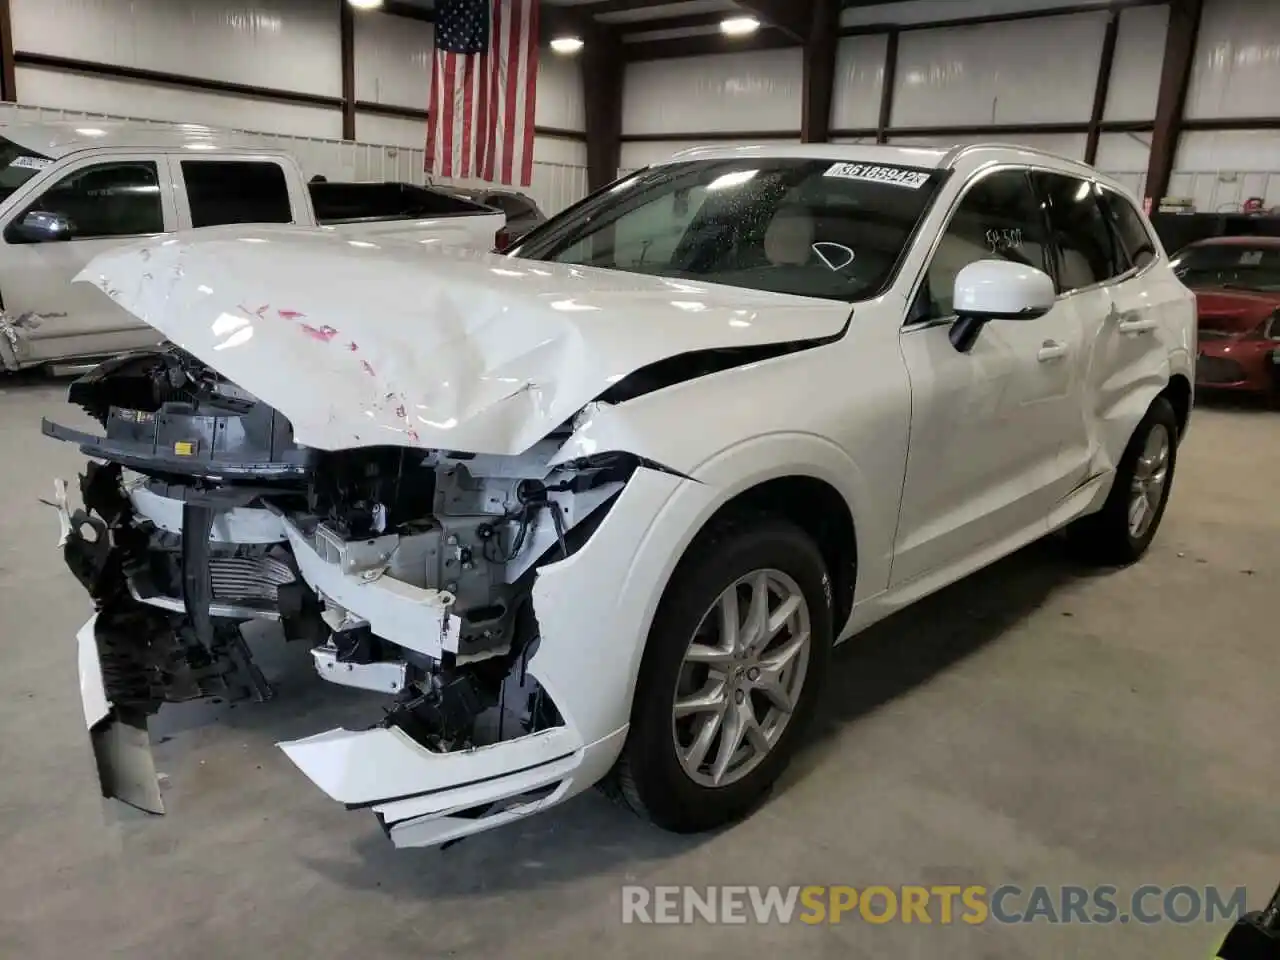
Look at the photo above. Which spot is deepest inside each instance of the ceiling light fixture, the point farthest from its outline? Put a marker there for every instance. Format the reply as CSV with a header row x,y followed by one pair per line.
x,y
365,4
739,26
566,46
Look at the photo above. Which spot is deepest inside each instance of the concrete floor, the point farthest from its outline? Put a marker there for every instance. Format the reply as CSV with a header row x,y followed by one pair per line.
x,y
1034,725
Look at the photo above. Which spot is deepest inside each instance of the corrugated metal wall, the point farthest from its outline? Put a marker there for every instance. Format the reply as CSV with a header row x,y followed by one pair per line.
x,y
1020,72
1235,73
284,45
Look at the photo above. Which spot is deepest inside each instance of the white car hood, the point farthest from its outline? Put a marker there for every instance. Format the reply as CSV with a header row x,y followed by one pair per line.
x,y
360,344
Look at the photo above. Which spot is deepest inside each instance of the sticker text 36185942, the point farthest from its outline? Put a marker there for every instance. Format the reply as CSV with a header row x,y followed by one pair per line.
x,y
878,173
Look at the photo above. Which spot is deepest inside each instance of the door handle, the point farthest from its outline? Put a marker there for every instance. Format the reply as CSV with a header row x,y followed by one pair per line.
x,y
1134,323
1051,350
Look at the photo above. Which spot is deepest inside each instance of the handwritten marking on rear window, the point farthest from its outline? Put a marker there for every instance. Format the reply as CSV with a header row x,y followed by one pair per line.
x,y
877,173
1251,258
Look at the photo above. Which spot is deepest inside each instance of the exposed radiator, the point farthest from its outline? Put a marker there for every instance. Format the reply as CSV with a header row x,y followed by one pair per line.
x,y
248,578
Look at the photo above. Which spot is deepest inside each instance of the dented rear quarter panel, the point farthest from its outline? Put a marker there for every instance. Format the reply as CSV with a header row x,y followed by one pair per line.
x,y
1126,371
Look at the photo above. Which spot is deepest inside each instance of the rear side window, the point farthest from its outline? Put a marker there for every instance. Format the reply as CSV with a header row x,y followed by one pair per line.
x,y
1088,252
1135,240
236,191
999,218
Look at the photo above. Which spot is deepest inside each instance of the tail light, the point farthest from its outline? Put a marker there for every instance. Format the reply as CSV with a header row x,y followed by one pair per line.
x,y
503,239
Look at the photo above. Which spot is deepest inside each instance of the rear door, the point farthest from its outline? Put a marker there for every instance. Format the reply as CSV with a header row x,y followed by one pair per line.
x,y
1089,263
1150,311
987,426
109,202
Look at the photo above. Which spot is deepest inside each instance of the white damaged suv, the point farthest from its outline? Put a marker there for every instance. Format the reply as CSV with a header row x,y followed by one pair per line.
x,y
600,508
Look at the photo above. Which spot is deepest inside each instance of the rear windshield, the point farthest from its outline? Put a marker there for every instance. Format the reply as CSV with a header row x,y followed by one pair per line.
x,y
351,202
813,228
1236,266
17,166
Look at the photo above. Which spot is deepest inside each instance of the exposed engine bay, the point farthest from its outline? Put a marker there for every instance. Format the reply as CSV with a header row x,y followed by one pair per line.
x,y
406,571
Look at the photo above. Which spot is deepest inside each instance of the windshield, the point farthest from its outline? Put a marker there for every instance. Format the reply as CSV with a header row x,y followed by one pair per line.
x,y
17,166
1236,266
813,228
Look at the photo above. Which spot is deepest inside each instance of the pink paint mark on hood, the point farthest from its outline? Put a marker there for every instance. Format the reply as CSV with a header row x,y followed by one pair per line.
x,y
323,334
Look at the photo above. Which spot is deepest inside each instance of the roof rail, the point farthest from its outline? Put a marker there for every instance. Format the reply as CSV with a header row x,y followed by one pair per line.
x,y
958,151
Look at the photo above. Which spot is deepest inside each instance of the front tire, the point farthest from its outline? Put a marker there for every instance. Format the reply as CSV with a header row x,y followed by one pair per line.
x,y
730,676
1123,529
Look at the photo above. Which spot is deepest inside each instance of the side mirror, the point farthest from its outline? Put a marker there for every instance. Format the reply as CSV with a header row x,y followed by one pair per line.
x,y
39,226
997,290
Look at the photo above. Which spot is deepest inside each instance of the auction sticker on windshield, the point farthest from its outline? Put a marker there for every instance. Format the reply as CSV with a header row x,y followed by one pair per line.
x,y
878,173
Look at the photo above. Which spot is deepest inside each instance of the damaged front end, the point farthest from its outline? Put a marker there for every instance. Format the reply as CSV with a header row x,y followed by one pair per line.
x,y
15,344
408,572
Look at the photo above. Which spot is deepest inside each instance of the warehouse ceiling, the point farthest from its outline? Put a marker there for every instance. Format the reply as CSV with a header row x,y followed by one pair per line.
x,y
652,21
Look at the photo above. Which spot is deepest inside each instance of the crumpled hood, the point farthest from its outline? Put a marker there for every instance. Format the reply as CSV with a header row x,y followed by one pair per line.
x,y
361,344
1233,312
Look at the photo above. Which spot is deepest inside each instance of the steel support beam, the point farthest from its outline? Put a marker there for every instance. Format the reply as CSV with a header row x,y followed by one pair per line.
x,y
885,120
603,72
1102,87
347,42
8,73
1175,77
819,70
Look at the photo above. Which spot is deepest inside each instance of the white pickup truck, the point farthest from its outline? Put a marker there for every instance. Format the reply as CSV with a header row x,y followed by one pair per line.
x,y
70,191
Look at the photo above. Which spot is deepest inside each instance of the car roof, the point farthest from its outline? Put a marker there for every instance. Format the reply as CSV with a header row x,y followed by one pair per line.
x,y
57,139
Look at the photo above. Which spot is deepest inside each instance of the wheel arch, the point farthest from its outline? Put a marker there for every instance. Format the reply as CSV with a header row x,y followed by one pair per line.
x,y
1179,394
817,508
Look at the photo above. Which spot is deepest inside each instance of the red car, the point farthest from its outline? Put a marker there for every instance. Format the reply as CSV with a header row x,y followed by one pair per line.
x,y
1237,285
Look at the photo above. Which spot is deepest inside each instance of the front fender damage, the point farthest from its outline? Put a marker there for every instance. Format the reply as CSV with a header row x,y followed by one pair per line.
x,y
586,646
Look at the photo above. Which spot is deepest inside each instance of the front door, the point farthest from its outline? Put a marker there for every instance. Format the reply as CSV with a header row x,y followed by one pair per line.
x,y
107,203
987,426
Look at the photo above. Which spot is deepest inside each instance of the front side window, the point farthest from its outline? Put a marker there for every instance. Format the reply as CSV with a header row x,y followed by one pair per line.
x,y
1237,266
105,200
1088,252
236,191
815,228
997,219
17,166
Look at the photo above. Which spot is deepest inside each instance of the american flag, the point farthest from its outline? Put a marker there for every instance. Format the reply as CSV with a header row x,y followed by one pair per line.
x,y
483,83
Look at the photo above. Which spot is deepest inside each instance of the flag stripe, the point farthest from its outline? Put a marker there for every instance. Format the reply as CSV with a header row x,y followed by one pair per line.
x,y
495,89
530,67
468,115
511,80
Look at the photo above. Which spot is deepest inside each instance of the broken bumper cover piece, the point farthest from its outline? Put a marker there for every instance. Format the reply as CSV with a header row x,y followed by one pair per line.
x,y
422,797
121,743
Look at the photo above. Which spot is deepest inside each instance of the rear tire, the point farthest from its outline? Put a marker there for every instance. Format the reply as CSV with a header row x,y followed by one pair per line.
x,y
674,769
1121,532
